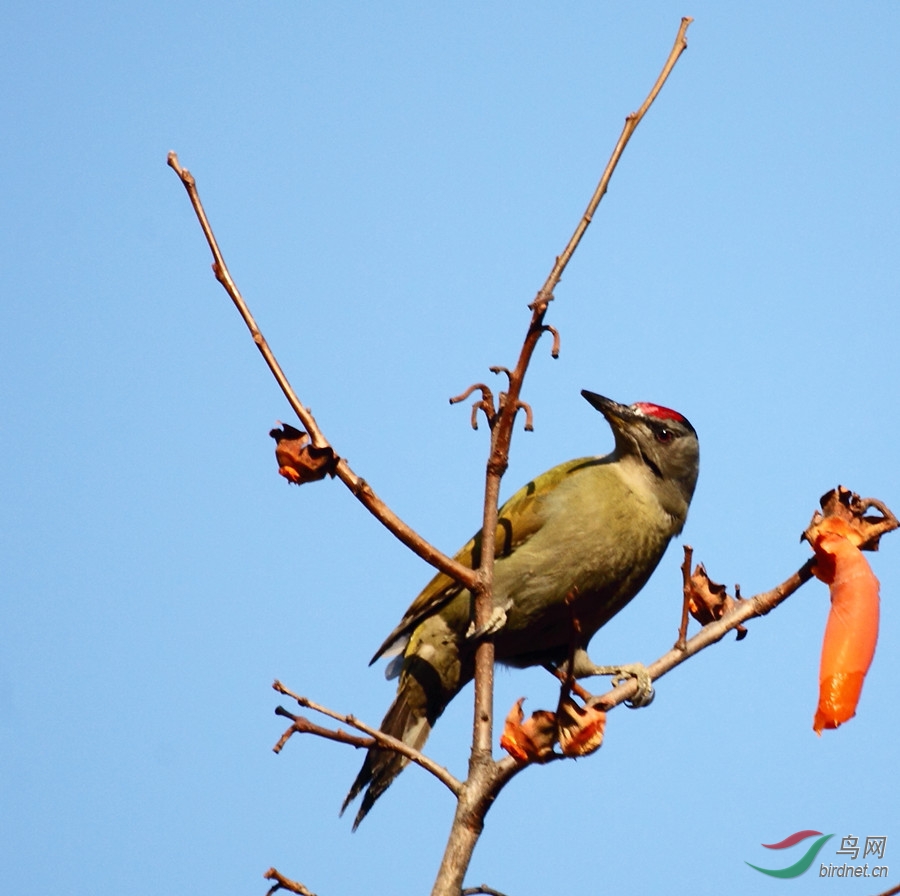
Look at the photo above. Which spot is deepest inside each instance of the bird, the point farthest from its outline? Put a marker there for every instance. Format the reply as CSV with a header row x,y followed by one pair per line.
x,y
592,529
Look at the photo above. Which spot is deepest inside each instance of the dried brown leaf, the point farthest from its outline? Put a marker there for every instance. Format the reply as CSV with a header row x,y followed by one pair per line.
x,y
843,504
298,459
709,601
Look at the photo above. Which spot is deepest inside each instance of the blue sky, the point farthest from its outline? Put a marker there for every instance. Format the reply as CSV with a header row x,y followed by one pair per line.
x,y
390,187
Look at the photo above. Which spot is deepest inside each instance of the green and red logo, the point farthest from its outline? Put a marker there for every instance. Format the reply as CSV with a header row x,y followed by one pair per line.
x,y
803,863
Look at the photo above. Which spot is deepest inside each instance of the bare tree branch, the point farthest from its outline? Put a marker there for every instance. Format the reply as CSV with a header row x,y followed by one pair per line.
x,y
358,486
631,122
759,605
391,743
302,725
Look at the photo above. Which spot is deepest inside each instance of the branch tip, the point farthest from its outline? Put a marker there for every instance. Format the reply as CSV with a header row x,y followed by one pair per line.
x,y
285,883
529,416
554,351
486,394
186,177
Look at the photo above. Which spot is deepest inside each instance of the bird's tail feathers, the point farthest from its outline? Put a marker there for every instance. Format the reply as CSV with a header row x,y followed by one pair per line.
x,y
406,720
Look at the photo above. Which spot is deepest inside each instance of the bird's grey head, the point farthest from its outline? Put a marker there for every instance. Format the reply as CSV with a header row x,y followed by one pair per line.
x,y
661,439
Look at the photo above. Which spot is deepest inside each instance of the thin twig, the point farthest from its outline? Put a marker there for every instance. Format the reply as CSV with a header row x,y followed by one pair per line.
x,y
358,486
759,605
686,596
631,123
302,725
385,740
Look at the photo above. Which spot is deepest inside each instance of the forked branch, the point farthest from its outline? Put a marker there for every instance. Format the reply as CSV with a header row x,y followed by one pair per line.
x,y
385,740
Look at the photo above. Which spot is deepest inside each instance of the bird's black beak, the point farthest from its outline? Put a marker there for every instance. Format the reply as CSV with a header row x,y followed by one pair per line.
x,y
609,408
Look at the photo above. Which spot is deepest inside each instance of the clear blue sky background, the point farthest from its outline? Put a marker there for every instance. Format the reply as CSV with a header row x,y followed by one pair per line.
x,y
390,185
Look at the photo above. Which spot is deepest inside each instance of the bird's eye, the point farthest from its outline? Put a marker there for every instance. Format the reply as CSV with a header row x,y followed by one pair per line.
x,y
664,435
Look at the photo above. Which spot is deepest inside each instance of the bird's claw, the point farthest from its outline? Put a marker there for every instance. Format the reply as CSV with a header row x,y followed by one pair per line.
x,y
492,626
622,674
637,671
584,667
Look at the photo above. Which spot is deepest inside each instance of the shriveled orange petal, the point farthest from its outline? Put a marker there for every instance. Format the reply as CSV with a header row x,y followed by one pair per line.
x,y
532,740
580,728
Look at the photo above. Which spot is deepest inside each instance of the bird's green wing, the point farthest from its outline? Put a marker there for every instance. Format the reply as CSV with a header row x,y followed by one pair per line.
x,y
519,518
